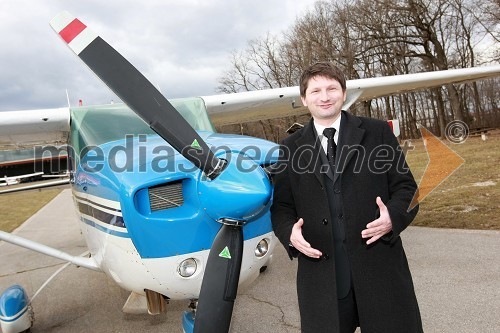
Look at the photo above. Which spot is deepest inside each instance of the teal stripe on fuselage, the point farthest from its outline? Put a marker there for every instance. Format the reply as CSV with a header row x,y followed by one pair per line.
x,y
104,229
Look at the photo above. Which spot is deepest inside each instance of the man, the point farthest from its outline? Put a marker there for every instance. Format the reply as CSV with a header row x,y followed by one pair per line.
x,y
340,205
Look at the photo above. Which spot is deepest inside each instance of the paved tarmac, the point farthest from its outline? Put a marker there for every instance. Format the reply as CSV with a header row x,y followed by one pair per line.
x,y
456,275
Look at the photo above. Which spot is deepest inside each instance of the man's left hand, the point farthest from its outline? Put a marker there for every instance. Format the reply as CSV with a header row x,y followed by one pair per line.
x,y
379,227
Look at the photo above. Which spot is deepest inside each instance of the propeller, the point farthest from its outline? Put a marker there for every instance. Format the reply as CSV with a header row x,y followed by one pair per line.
x,y
137,92
248,193
220,282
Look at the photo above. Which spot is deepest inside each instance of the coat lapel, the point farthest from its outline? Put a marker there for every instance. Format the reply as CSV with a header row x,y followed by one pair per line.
x,y
350,135
311,155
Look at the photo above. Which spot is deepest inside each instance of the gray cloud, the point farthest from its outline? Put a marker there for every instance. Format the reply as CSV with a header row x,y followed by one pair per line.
x,y
181,46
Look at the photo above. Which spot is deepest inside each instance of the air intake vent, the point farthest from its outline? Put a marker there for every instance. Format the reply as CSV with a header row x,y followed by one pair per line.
x,y
166,196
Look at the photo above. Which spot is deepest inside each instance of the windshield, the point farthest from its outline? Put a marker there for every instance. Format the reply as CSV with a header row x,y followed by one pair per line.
x,y
95,125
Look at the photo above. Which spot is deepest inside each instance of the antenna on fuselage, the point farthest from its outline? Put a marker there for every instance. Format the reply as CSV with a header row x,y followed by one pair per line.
x,y
67,98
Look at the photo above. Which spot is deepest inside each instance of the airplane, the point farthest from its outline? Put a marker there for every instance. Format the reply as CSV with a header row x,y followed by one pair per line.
x,y
169,208
5,181
22,164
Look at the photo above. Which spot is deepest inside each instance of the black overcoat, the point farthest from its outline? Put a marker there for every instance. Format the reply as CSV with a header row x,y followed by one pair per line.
x,y
370,163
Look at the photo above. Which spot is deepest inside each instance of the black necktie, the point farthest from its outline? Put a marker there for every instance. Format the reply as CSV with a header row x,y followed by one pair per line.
x,y
331,147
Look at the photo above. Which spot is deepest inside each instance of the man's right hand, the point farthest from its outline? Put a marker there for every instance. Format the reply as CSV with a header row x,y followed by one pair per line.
x,y
298,241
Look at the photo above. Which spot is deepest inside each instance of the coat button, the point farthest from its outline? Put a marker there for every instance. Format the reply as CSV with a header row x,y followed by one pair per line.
x,y
324,221
326,256
336,191
340,216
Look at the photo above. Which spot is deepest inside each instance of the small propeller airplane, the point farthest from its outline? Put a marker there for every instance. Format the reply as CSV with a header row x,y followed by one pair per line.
x,y
13,180
170,209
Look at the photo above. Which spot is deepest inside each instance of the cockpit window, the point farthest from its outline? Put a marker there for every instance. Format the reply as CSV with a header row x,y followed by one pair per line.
x,y
95,125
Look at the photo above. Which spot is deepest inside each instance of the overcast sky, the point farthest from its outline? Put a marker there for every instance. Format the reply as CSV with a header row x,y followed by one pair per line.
x,y
182,46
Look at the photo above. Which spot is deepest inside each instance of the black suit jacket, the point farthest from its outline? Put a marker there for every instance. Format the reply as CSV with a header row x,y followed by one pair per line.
x,y
369,163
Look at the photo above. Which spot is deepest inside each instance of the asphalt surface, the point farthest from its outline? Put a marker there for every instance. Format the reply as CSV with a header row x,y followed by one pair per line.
x,y
456,275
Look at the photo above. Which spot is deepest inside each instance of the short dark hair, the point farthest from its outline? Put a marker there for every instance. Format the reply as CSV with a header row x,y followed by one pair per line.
x,y
325,69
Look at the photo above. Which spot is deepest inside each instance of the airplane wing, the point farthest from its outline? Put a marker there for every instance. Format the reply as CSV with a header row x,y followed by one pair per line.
x,y
28,127
28,175
34,185
242,107
18,179
22,128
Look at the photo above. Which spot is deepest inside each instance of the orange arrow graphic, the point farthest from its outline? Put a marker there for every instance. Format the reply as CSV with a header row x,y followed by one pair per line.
x,y
442,163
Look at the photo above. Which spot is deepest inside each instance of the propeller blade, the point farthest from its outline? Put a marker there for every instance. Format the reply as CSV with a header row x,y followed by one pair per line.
x,y
220,282
137,92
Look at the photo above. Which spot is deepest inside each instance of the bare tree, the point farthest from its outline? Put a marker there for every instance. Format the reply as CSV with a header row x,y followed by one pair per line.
x,y
368,38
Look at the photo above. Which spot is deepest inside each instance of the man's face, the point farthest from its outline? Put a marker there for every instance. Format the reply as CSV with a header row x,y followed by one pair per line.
x,y
324,98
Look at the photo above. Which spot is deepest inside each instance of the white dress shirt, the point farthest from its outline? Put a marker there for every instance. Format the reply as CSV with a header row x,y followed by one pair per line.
x,y
324,140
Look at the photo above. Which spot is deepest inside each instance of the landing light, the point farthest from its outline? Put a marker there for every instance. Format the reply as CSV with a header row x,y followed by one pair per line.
x,y
187,267
261,248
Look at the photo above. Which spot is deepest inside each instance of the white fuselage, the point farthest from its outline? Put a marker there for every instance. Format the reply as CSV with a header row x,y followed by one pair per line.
x,y
119,259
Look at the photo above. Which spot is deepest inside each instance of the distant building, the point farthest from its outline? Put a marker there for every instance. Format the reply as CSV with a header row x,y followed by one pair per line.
x,y
23,161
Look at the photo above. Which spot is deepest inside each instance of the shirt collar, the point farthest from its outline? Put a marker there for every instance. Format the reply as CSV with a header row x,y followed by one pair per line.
x,y
320,128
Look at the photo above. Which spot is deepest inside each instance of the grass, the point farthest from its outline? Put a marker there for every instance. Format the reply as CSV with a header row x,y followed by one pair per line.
x,y
468,199
15,208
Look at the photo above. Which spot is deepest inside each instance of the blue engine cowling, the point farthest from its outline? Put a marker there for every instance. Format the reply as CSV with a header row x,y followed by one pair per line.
x,y
15,312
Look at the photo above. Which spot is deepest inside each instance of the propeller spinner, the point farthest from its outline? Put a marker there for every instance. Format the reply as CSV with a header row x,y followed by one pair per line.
x,y
242,195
